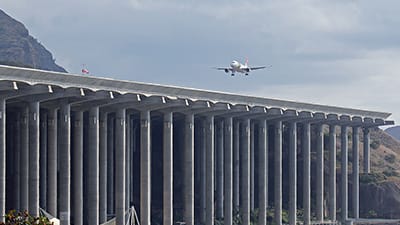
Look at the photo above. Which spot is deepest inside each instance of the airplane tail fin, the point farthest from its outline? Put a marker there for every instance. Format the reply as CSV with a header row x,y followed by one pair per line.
x,y
246,62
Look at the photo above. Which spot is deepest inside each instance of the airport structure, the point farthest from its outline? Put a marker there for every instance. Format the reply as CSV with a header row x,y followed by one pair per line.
x,y
86,149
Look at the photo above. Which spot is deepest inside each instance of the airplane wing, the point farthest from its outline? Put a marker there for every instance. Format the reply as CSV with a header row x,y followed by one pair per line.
x,y
223,68
258,67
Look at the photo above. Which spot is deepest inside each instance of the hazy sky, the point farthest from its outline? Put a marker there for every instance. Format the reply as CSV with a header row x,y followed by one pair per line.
x,y
344,53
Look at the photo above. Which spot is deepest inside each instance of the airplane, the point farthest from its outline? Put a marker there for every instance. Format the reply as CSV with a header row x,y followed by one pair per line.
x,y
236,66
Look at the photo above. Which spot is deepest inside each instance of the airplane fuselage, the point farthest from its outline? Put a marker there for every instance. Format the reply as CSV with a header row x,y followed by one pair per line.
x,y
238,67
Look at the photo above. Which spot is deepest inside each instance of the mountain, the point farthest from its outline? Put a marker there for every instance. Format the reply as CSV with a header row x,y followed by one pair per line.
x,y
394,131
18,48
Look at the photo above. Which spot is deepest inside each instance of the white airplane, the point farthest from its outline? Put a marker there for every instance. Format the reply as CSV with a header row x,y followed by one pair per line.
x,y
236,66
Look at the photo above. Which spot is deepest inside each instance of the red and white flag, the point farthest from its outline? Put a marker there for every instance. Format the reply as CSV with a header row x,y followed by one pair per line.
x,y
85,71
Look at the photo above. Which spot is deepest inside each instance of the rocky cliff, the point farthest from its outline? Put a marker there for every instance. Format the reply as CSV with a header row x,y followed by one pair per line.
x,y
18,48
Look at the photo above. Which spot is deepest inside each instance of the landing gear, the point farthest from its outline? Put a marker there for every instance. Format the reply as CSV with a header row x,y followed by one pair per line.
x,y
232,74
246,74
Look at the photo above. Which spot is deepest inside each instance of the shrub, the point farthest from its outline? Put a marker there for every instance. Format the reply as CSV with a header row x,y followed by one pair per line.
x,y
23,218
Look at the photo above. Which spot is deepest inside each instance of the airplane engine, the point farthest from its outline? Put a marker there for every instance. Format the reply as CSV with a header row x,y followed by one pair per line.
x,y
247,70
226,70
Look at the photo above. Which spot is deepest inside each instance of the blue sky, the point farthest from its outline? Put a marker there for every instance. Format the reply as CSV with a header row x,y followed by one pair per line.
x,y
344,52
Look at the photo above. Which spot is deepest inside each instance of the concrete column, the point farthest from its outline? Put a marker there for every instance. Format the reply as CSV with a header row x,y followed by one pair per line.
x,y
52,155
145,165
189,170
2,159
17,164
306,173
120,150
65,164
245,156
34,158
278,173
93,167
293,173
344,172
127,161
210,170
236,165
25,159
252,167
332,172
320,174
203,166
110,165
103,168
43,160
262,172
219,171
356,174
168,170
77,169
228,170
366,150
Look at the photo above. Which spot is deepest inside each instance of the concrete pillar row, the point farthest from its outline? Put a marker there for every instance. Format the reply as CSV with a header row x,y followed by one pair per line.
x,y
245,178
366,150
292,173
2,158
344,172
43,161
320,174
356,173
34,114
189,170
93,167
262,172
65,164
120,150
52,155
168,164
219,164
228,147
77,169
236,164
210,170
306,172
24,159
145,165
332,172
278,172
103,167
